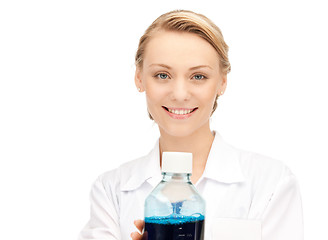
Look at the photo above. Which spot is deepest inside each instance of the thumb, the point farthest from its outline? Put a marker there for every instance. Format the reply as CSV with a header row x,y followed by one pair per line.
x,y
140,224
138,235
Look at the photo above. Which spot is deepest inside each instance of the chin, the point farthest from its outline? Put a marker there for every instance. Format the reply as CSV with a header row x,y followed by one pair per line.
x,y
177,130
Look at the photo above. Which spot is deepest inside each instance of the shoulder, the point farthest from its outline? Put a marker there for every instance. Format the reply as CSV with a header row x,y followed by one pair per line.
x,y
252,166
271,183
118,177
259,171
266,177
132,174
262,168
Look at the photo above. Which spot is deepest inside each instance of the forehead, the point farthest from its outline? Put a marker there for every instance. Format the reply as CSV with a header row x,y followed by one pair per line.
x,y
180,49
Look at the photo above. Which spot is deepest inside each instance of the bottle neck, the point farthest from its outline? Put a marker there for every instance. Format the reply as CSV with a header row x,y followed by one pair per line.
x,y
178,177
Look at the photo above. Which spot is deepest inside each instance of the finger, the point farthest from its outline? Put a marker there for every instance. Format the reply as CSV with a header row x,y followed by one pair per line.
x,y
136,236
140,224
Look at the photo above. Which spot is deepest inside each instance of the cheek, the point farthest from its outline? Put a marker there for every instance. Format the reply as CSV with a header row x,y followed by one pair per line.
x,y
207,96
154,93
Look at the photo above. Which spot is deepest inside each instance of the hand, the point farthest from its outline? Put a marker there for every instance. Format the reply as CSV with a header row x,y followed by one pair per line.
x,y
140,224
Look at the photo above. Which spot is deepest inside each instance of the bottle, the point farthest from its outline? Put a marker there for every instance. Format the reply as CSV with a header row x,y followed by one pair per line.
x,y
174,209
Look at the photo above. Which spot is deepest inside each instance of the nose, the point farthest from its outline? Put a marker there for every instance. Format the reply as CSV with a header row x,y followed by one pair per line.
x,y
180,90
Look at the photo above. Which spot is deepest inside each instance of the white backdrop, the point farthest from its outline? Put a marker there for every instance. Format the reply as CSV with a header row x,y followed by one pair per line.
x,y
69,109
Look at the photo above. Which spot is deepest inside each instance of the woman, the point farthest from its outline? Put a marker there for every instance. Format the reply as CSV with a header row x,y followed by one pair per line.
x,y
182,66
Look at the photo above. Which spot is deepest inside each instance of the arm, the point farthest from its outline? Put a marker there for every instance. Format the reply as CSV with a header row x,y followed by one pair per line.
x,y
283,218
104,218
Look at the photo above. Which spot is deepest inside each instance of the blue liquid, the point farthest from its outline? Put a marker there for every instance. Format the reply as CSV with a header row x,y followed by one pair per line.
x,y
174,227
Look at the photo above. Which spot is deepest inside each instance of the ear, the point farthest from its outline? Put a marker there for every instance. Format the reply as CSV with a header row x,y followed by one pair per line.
x,y
138,79
223,84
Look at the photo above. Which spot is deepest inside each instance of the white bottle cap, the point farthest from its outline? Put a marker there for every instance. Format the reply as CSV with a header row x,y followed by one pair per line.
x,y
177,162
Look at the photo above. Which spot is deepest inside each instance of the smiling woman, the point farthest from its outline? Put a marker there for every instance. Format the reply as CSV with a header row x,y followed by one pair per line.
x,y
181,66
181,78
187,22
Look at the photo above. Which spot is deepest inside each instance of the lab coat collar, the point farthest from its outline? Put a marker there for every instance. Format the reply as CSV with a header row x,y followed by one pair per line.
x,y
145,169
222,166
223,162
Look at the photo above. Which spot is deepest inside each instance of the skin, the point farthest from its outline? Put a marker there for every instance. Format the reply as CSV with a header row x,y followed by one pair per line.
x,y
181,70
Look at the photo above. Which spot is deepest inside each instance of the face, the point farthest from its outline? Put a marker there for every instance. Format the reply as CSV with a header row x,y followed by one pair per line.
x,y
181,77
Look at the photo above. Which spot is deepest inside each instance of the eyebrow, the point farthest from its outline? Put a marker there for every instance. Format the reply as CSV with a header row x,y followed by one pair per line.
x,y
161,65
200,66
192,68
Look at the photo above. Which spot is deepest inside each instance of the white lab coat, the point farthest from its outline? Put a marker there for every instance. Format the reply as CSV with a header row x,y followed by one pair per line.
x,y
248,197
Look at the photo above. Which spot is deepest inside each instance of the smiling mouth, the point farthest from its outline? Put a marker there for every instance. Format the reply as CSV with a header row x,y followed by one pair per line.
x,y
180,111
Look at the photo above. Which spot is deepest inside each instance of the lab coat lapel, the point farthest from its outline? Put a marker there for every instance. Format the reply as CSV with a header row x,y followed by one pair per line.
x,y
223,163
154,168
144,169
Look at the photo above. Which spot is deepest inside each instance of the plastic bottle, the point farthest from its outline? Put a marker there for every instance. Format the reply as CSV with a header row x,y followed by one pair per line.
x,y
174,209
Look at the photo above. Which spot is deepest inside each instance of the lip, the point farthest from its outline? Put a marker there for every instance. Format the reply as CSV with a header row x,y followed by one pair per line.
x,y
180,116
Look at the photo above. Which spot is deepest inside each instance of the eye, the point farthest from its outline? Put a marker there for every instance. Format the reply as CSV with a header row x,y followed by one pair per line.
x,y
199,77
162,75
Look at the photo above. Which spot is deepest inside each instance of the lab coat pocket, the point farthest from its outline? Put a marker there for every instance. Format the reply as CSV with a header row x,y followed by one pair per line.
x,y
236,229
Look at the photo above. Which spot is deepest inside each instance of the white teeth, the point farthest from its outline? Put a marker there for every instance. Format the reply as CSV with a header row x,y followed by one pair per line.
x,y
179,112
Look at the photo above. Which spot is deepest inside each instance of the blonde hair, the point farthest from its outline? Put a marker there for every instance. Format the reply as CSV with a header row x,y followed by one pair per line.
x,y
187,21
